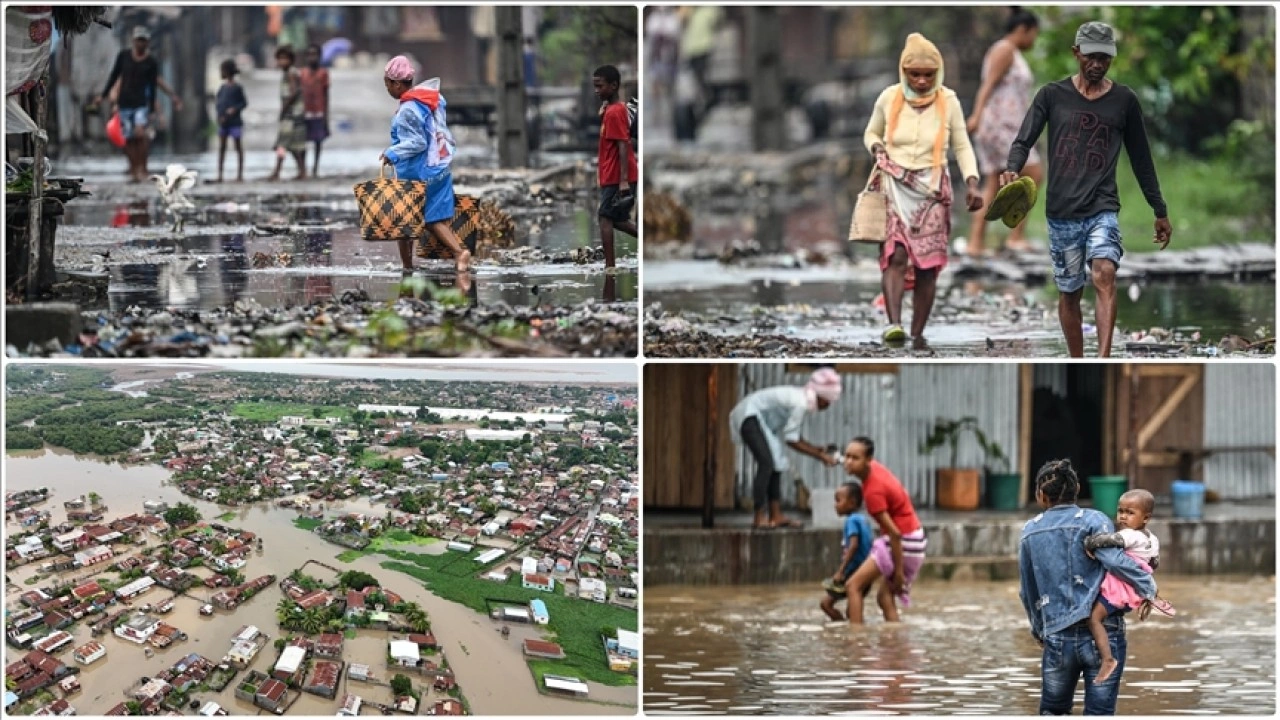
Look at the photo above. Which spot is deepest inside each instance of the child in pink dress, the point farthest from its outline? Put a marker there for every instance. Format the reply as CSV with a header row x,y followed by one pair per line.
x,y
1132,515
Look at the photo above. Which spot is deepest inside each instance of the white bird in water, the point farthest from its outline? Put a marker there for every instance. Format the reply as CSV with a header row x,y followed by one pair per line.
x,y
176,178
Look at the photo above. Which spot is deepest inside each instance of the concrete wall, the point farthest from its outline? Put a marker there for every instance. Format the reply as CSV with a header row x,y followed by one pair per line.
x,y
958,549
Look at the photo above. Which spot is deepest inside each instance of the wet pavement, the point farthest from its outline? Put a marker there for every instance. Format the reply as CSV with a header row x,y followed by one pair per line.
x,y
963,648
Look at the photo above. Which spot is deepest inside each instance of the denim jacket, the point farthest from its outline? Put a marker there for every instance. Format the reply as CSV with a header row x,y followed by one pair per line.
x,y
1060,582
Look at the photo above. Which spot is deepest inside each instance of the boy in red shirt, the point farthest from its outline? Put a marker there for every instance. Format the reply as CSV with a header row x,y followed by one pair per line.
x,y
616,194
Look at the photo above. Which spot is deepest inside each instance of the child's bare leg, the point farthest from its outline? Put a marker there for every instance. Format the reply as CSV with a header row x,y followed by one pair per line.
x,y
315,167
222,155
884,597
239,162
279,166
828,606
300,159
1100,639
862,578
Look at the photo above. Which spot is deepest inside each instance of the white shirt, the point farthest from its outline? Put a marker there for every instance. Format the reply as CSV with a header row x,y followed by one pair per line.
x,y
780,410
1143,544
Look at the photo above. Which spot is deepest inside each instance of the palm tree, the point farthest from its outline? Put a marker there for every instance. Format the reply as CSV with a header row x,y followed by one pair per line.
x,y
311,622
336,625
284,612
94,499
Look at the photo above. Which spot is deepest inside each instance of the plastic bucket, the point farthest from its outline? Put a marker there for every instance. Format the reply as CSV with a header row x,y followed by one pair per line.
x,y
1107,490
1188,499
1002,491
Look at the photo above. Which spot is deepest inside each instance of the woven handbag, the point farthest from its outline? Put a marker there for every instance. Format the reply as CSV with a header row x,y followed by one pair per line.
x,y
870,222
391,209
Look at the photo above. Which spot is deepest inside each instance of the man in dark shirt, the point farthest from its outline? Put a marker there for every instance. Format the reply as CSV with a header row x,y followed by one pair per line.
x,y
138,73
1089,118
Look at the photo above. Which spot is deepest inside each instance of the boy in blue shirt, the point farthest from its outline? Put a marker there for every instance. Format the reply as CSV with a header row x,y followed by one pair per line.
x,y
856,546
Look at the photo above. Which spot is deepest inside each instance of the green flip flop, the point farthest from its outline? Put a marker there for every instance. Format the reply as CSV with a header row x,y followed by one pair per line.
x,y
1014,202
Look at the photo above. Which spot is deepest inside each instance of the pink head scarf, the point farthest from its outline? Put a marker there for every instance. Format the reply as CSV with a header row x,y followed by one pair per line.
x,y
399,68
823,383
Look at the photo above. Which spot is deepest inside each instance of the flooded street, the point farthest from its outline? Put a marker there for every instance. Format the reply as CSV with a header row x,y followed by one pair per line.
x,y
490,669
835,305
963,648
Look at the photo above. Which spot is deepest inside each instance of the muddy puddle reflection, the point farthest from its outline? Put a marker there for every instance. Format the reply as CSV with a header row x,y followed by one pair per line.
x,y
962,649
966,314
314,252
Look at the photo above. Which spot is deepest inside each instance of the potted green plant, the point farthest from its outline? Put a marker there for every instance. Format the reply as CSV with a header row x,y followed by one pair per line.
x,y
959,488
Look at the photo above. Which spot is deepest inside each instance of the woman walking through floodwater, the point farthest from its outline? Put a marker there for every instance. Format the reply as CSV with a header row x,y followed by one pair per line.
x,y
913,124
1060,582
422,149
898,553
1002,103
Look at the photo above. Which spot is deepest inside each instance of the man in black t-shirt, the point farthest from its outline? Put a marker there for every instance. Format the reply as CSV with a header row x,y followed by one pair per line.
x,y
1089,119
138,75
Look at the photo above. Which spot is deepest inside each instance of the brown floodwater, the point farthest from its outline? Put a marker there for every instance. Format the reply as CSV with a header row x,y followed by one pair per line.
x,y
490,669
962,648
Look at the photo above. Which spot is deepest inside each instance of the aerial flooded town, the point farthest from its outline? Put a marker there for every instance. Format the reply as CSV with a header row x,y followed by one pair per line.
x,y
321,540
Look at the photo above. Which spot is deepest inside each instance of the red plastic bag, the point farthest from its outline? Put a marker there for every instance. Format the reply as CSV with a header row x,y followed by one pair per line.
x,y
115,133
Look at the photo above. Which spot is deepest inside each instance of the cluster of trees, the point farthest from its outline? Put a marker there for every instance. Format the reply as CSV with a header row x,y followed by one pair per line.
x,y
21,438
93,438
182,515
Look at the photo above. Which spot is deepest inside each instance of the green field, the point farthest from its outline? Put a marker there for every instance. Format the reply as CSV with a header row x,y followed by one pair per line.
x,y
268,411
307,524
1209,204
399,539
575,624
226,517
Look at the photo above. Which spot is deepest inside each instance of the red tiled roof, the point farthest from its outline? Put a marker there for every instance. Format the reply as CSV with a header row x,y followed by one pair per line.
x,y
542,648
423,639
272,690
325,674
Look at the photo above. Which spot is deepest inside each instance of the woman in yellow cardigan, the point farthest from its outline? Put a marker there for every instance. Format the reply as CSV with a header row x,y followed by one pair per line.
x,y
912,125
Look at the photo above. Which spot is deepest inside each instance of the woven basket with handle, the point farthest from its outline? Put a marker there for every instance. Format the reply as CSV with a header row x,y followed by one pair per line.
x,y
391,209
870,222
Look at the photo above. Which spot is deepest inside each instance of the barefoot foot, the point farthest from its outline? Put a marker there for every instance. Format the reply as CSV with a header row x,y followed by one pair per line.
x,y
464,261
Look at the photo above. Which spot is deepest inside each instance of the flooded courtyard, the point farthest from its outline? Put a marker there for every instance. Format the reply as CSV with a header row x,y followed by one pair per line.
x,y
489,668
963,648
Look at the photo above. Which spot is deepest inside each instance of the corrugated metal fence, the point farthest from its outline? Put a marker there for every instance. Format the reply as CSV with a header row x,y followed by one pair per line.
x,y
1240,410
898,411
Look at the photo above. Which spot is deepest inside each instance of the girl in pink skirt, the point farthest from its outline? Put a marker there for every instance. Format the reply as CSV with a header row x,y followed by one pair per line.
x,y
1132,536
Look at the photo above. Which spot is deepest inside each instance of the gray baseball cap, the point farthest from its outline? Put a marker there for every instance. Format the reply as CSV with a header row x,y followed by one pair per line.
x,y
141,33
1096,37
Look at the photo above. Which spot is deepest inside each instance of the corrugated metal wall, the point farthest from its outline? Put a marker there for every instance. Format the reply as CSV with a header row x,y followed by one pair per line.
x,y
1240,410
897,411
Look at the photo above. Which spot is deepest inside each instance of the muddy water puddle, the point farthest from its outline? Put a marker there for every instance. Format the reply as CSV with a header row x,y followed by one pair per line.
x,y
318,254
823,307
490,669
963,648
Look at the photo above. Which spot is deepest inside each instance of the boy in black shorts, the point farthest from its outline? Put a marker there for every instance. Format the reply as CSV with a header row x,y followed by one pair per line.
x,y
617,161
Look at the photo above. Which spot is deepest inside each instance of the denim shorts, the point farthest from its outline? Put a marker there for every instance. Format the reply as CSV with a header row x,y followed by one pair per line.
x,y
131,118
1075,244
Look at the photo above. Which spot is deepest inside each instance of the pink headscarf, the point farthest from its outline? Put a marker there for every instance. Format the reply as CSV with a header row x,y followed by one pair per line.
x,y
825,384
399,68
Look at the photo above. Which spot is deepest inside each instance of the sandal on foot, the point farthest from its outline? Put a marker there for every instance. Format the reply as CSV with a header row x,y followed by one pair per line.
x,y
894,334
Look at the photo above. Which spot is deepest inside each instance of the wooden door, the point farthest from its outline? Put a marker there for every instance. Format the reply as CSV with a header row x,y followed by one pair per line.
x,y
676,430
1158,410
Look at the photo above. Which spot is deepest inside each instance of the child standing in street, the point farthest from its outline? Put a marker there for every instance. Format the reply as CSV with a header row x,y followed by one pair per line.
x,y
617,161
291,138
229,106
1132,536
315,102
855,547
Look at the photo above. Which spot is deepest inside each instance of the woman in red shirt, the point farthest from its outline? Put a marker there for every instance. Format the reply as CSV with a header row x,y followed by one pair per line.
x,y
898,553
